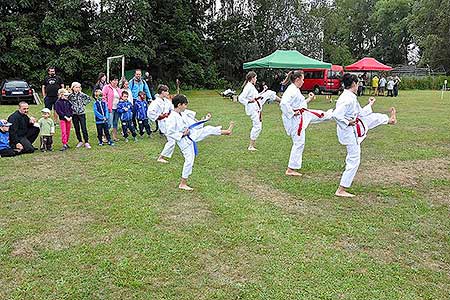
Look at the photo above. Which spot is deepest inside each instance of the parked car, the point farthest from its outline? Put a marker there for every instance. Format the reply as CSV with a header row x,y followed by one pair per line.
x,y
15,90
323,80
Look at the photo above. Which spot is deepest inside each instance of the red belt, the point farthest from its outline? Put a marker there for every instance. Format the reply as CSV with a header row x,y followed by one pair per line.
x,y
360,127
302,110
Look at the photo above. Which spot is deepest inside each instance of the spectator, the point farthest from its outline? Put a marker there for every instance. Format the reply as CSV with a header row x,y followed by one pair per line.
x,y
47,129
126,112
100,84
124,86
151,86
397,81
79,101
23,132
52,83
101,114
360,85
390,87
5,147
137,85
375,82
111,95
64,109
140,109
382,86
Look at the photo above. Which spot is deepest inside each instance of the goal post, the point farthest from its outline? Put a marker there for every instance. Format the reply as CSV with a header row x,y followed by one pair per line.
x,y
108,65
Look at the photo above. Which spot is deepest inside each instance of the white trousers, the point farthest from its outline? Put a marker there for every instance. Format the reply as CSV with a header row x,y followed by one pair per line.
x,y
256,125
169,147
353,158
298,141
202,133
189,157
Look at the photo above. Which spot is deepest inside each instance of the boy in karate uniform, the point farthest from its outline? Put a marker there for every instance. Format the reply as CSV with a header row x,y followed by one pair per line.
x,y
182,127
158,111
353,122
296,118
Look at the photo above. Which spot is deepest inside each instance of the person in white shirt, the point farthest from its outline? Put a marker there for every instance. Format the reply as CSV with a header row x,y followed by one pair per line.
x,y
353,122
253,102
182,127
390,87
158,111
296,118
382,86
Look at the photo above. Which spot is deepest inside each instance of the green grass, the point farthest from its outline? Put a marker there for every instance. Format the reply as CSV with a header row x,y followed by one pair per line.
x,y
109,223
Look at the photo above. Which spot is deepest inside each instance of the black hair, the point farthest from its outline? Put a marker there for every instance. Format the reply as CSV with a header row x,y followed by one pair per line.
x,y
100,75
113,77
162,88
142,92
124,93
348,80
179,99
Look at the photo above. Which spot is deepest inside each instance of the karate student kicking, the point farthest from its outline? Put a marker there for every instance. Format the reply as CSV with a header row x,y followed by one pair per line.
x,y
353,122
182,127
253,102
158,111
296,118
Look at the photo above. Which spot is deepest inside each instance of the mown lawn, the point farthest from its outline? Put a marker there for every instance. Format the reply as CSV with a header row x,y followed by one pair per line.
x,y
110,223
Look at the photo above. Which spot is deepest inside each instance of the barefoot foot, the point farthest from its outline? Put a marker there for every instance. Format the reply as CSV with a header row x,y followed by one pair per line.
x,y
343,194
393,118
185,187
290,172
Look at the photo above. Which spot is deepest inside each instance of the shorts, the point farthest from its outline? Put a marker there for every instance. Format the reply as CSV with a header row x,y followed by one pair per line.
x,y
49,102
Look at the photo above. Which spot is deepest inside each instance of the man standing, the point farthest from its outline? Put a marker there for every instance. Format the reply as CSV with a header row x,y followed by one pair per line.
x,y
52,83
137,84
22,132
353,122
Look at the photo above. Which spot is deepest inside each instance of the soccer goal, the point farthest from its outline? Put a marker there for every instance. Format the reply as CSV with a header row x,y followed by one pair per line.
x,y
108,65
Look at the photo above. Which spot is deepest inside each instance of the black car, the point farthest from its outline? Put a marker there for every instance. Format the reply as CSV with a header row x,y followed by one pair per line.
x,y
15,90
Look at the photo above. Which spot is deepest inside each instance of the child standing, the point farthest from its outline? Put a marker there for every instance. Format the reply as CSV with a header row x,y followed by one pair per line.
x,y
64,110
125,109
101,118
183,128
140,110
47,129
79,101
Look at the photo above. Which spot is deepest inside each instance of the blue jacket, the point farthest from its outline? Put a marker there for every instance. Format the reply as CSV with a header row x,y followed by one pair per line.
x,y
4,140
140,109
125,115
136,87
101,112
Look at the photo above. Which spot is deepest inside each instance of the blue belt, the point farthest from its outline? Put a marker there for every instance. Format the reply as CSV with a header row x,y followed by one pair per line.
x,y
188,136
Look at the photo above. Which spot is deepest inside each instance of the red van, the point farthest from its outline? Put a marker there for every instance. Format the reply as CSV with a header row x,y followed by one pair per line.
x,y
323,80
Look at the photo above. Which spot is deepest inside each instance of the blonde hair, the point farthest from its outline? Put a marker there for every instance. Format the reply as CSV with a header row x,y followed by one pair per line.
x,y
75,84
62,92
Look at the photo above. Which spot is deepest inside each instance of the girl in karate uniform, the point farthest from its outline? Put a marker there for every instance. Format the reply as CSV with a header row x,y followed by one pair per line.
x,y
253,102
158,111
353,122
296,118
182,127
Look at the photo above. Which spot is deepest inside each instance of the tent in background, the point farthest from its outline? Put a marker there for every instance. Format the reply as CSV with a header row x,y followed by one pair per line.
x,y
286,59
368,64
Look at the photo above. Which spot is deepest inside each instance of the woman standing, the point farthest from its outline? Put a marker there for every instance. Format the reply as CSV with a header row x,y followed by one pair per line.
x,y
111,95
253,102
100,84
296,118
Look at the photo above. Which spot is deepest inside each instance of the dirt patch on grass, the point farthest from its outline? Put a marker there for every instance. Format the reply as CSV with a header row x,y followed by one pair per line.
x,y
438,195
66,232
409,173
184,211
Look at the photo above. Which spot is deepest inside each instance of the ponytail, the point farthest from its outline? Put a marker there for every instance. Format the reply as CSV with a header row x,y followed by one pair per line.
x,y
292,75
250,75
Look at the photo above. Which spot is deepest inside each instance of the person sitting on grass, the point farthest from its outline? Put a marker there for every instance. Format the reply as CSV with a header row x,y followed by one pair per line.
x,y
101,114
182,126
24,130
353,122
140,111
5,147
125,109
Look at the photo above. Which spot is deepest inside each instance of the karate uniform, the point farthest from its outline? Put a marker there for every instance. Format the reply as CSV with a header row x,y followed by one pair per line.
x,y
295,125
176,124
348,108
156,108
254,109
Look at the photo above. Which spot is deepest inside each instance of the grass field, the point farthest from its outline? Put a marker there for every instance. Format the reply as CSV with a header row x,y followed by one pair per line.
x,y
110,223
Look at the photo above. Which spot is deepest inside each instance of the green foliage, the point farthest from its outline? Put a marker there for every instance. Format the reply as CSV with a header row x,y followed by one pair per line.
x,y
423,83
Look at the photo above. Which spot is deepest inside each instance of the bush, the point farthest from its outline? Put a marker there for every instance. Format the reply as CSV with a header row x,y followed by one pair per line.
x,y
423,83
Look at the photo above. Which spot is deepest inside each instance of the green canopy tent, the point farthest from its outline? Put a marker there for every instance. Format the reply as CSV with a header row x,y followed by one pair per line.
x,y
286,59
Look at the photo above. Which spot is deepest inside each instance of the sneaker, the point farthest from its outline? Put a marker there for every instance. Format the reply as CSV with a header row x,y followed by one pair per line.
x,y
80,144
126,140
111,143
87,145
100,144
135,139
64,148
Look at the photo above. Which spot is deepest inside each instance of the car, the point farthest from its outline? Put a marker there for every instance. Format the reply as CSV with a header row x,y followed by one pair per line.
x,y
323,80
15,90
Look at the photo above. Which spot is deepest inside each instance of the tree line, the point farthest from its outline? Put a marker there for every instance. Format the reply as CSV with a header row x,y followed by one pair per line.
x,y
205,42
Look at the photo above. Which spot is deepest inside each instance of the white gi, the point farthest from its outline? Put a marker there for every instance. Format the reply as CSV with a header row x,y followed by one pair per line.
x,y
348,108
176,124
254,109
292,101
156,108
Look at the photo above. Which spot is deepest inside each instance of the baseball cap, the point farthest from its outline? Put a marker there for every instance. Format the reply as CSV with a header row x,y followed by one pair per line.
x,y
46,110
4,123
